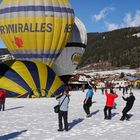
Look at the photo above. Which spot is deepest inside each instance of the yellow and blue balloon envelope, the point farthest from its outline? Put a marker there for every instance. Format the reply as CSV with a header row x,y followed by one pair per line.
x,y
21,78
36,29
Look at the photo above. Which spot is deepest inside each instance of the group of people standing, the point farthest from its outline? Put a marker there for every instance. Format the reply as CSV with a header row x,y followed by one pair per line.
x,y
110,98
87,103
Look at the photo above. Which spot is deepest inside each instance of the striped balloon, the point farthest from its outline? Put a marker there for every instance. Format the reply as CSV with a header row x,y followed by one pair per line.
x,y
22,78
71,55
36,29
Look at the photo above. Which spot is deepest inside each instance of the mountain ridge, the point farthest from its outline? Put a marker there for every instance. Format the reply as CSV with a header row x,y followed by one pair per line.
x,y
117,48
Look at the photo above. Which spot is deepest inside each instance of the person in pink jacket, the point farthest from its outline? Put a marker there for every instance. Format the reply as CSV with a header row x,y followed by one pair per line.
x,y
2,99
110,97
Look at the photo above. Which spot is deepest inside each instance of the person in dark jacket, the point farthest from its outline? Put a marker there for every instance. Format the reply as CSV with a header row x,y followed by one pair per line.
x,y
129,103
110,97
88,101
63,113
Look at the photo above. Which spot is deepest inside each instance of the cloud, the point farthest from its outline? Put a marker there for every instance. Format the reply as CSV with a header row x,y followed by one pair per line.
x,y
128,21
102,14
111,26
132,21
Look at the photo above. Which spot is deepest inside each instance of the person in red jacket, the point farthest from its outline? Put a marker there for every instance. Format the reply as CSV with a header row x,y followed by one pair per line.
x,y
2,99
110,97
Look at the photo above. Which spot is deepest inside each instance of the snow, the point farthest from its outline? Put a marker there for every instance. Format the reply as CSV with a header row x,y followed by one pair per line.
x,y
137,34
34,119
119,71
106,72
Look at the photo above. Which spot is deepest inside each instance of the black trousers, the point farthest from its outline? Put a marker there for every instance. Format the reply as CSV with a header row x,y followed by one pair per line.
x,y
87,106
124,112
107,112
2,106
63,116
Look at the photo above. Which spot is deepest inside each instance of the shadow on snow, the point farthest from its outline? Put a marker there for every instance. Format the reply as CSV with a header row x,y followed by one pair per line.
x,y
75,122
114,114
11,135
94,113
14,108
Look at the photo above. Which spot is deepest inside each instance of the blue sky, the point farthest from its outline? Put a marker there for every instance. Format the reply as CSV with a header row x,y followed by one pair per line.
x,y
106,15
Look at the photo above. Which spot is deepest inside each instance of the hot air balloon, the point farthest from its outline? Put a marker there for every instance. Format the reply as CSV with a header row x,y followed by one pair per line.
x,y
25,78
36,29
71,55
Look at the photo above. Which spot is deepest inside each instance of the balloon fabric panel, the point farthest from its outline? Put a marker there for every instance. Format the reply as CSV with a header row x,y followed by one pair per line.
x,y
50,79
12,75
43,74
32,68
20,68
55,86
13,88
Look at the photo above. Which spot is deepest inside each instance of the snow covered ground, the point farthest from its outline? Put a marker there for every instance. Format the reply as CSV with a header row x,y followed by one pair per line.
x,y
34,119
118,71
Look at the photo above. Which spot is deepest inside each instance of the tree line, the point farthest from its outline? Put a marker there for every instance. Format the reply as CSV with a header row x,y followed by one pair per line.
x,y
118,48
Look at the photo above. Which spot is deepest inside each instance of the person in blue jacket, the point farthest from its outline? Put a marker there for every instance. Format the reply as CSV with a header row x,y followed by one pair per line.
x,y
88,100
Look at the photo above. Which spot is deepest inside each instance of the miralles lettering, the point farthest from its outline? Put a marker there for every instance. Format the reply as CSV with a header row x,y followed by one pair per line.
x,y
27,27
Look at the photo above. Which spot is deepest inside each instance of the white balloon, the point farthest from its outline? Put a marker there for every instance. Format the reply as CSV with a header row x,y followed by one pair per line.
x,y
71,55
